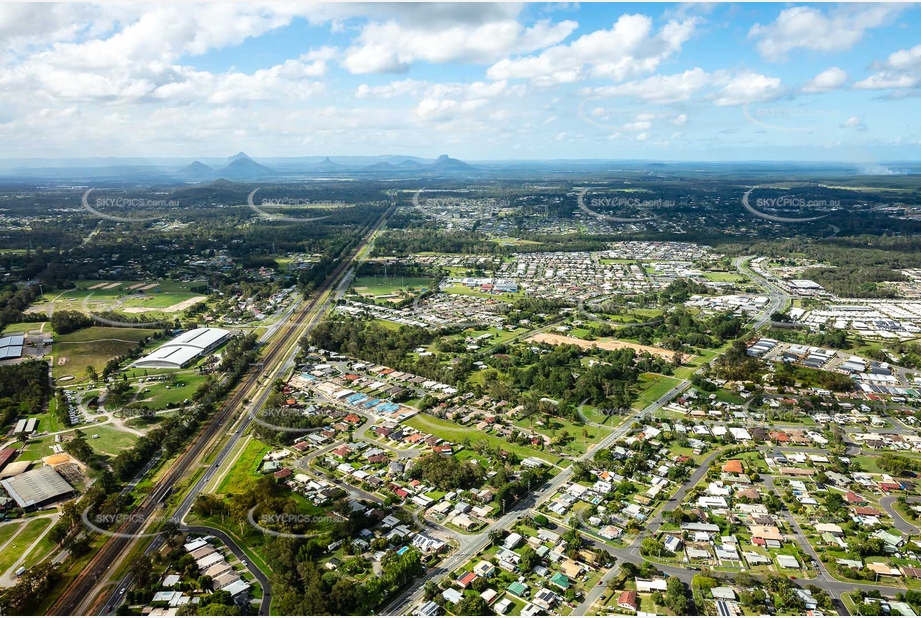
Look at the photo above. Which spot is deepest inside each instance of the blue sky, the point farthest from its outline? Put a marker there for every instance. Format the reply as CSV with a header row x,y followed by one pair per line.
x,y
752,81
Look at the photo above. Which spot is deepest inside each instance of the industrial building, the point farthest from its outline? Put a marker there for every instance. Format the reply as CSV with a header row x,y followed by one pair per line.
x,y
181,351
11,346
37,487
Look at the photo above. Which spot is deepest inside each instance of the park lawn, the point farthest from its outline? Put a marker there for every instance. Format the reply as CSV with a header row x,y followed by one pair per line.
x,y
653,387
246,468
25,327
21,542
467,291
8,530
97,333
160,397
111,441
40,551
448,430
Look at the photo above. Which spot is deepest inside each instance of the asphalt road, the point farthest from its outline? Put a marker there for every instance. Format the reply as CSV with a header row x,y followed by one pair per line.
x,y
898,521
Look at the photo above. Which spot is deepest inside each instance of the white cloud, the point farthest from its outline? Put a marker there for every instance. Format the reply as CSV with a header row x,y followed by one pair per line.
x,y
901,70
629,48
679,120
806,27
660,88
829,79
387,91
749,88
854,122
393,47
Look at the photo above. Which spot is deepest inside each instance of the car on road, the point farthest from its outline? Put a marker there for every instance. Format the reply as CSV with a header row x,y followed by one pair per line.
x,y
245,563
123,591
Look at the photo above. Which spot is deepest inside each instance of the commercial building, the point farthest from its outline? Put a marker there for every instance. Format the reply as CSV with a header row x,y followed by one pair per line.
x,y
11,347
184,349
37,487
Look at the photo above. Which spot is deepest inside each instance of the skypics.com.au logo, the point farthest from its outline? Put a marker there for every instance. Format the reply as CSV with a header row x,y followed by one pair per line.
x,y
590,205
289,203
130,207
460,209
788,118
787,201
268,523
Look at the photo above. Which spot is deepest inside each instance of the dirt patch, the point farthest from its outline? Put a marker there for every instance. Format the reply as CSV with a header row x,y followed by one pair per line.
x,y
112,286
99,286
62,360
135,286
150,286
601,344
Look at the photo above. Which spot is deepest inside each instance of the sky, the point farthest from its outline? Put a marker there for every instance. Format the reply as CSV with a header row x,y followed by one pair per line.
x,y
478,81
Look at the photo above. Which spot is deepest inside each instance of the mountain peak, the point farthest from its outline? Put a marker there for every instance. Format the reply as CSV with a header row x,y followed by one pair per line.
x,y
239,155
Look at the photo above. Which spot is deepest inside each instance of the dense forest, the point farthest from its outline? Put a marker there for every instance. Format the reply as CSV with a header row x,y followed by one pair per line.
x,y
24,389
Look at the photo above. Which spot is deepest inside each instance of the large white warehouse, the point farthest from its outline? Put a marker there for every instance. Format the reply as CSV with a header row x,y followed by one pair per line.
x,y
184,349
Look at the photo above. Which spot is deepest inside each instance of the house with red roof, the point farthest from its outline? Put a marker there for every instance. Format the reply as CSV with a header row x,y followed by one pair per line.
x,y
887,486
852,498
733,466
352,418
342,452
627,600
867,511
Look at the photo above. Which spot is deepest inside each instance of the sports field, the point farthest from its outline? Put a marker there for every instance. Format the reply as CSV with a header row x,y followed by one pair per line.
x,y
394,289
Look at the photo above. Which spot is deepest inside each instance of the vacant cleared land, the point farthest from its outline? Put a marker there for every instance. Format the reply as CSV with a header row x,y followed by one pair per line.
x,y
92,346
602,344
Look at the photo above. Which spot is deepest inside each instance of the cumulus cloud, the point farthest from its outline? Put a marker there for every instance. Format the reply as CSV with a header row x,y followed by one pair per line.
x,y
749,88
631,47
901,70
393,47
829,79
660,88
809,28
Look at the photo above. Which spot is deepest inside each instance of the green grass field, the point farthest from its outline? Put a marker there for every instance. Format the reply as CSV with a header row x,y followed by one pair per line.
x,y
21,542
463,289
581,436
36,449
378,285
160,397
725,277
111,441
39,552
8,530
245,470
25,327
453,432
653,386
92,346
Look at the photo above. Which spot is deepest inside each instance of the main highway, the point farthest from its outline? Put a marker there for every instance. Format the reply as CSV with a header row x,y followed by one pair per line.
x,y
86,592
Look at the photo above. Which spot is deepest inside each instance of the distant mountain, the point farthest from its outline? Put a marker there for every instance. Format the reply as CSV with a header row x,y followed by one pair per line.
x,y
444,163
383,166
197,171
410,164
239,155
245,168
328,164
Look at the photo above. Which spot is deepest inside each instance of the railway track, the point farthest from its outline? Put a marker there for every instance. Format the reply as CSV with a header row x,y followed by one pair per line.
x,y
96,573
